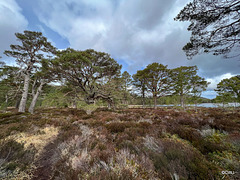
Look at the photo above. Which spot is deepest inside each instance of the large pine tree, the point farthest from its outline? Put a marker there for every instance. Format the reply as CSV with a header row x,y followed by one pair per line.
x,y
32,49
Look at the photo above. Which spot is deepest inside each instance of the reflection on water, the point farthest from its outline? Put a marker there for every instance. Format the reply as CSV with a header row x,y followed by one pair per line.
x,y
209,105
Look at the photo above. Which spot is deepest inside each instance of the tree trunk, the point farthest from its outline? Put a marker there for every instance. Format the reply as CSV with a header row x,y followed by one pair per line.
x,y
17,103
75,101
182,100
74,104
35,97
23,102
155,100
109,105
196,105
143,99
6,102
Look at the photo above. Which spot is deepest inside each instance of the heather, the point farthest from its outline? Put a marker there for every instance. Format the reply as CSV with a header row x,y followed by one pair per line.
x,y
135,143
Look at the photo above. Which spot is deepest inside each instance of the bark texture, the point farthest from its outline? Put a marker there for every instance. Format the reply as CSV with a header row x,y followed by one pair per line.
x,y
23,102
35,97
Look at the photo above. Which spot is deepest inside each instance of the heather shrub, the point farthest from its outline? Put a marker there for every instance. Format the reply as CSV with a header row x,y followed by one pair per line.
x,y
117,127
186,133
126,144
134,132
175,156
14,158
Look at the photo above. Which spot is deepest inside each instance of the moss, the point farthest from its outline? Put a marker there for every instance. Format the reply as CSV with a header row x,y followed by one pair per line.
x,y
11,166
6,115
9,118
19,127
15,155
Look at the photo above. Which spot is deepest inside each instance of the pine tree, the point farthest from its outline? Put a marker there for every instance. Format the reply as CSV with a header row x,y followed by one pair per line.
x,y
34,46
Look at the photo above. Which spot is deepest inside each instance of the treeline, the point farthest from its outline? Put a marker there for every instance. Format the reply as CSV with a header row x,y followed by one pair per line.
x,y
88,77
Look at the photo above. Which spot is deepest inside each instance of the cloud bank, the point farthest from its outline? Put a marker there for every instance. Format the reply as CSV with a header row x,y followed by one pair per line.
x,y
11,21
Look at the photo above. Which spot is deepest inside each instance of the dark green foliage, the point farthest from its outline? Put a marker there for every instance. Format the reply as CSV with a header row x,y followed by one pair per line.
x,y
91,72
30,58
215,27
229,90
185,81
33,44
126,82
15,156
157,80
140,83
9,86
11,166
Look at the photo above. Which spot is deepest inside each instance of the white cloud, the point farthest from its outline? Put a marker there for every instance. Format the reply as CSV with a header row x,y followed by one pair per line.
x,y
215,80
210,93
11,21
138,32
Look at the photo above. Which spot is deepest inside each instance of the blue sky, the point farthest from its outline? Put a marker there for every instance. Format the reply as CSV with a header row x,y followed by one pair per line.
x,y
135,32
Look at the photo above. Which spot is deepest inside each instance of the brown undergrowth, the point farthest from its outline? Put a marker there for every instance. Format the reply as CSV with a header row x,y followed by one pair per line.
x,y
165,143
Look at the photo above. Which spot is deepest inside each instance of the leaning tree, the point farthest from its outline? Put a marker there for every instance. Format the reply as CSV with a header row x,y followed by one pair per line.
x,y
215,27
89,71
32,49
43,76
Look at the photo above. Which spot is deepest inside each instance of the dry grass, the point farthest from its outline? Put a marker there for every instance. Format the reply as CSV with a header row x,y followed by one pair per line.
x,y
165,143
38,140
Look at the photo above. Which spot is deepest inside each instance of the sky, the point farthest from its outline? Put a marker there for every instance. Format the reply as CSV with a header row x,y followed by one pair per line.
x,y
134,32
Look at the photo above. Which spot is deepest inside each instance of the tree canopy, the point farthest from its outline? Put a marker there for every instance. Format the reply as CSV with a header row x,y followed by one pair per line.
x,y
140,83
157,76
229,88
126,79
34,46
88,70
29,54
215,27
185,81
